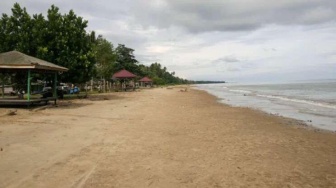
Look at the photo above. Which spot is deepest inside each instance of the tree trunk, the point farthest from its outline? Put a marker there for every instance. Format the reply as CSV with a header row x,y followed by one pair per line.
x,y
91,84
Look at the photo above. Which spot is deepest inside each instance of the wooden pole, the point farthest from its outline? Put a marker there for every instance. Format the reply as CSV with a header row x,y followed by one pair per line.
x,y
3,89
104,88
91,84
55,86
3,86
28,86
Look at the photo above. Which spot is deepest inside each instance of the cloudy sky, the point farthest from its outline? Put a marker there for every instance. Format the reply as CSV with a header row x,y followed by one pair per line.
x,y
232,40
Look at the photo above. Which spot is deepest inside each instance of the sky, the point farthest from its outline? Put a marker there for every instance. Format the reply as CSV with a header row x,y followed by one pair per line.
x,y
231,40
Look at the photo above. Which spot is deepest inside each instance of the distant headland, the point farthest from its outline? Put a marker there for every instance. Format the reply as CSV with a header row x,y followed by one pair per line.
x,y
206,82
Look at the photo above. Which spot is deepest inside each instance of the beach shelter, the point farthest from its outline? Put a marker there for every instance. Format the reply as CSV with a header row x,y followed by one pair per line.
x,y
145,81
123,74
125,77
14,62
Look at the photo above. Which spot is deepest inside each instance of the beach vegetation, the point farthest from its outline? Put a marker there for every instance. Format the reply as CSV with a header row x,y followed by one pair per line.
x,y
57,38
106,58
63,40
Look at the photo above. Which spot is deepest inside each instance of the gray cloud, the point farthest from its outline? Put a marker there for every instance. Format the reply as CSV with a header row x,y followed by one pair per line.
x,y
89,9
229,69
217,15
227,59
194,15
147,59
197,39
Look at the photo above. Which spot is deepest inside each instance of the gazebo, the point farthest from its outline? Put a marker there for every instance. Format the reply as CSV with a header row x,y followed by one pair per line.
x,y
124,75
145,81
14,62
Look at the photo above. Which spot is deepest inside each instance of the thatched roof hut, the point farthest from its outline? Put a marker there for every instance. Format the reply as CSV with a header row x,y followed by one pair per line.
x,y
16,60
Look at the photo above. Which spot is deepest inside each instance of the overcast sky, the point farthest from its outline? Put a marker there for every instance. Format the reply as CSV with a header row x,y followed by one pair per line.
x,y
232,40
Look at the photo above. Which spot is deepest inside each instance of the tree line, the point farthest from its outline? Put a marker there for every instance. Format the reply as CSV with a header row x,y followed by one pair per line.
x,y
206,82
63,40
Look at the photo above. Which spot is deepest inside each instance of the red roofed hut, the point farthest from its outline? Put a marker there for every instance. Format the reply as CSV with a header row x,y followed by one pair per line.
x,y
145,81
127,79
123,74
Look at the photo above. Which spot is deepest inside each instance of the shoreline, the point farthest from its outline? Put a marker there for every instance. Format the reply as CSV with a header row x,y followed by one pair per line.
x,y
162,138
306,123
291,121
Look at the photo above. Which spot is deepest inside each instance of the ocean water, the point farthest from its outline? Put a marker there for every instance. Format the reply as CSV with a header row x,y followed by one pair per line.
x,y
312,102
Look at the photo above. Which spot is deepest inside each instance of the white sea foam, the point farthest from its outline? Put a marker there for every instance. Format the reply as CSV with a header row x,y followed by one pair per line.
x,y
314,103
240,91
299,101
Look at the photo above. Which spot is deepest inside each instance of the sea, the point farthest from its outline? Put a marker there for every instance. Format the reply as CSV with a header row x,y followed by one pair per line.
x,y
313,102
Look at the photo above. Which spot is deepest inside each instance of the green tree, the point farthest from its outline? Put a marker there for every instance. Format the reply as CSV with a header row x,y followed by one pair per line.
x,y
15,31
161,76
63,40
66,43
60,39
126,59
105,58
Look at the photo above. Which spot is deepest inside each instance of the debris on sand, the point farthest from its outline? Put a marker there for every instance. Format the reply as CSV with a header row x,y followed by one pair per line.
x,y
42,108
10,113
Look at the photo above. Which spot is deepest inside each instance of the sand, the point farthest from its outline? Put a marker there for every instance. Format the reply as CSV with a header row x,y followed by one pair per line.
x,y
161,138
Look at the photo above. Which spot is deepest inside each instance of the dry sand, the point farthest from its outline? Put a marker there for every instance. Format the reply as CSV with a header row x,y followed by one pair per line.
x,y
161,138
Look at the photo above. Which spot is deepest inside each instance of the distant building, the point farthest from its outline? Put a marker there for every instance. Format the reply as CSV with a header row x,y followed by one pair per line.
x,y
146,82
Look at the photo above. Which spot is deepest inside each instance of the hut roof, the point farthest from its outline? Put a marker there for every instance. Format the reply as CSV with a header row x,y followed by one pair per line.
x,y
145,79
18,60
123,74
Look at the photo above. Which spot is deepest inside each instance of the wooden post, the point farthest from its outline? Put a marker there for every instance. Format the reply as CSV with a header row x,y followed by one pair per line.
x,y
3,87
101,85
28,85
104,87
91,84
55,86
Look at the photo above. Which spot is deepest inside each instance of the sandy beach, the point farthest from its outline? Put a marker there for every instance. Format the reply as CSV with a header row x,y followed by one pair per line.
x,y
161,138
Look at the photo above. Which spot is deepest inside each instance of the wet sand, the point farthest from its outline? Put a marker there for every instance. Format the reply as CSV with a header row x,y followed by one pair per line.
x,y
161,138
